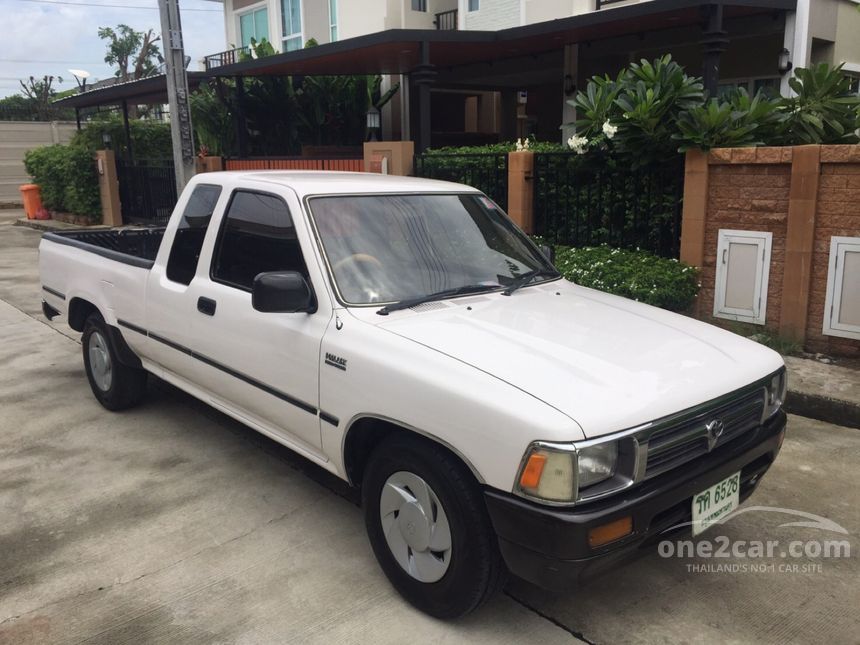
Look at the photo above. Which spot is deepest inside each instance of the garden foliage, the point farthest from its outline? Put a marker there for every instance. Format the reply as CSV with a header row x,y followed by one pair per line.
x,y
635,274
67,178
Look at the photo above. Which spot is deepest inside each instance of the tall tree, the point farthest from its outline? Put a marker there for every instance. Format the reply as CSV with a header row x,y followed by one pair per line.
x,y
40,93
134,53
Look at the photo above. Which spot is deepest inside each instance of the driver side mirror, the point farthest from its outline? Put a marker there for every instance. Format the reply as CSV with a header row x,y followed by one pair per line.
x,y
282,292
548,252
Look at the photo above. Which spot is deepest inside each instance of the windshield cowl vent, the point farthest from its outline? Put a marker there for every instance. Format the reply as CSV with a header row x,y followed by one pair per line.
x,y
430,306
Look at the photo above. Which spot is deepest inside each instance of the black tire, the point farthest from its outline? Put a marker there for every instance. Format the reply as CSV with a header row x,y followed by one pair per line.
x,y
127,385
475,571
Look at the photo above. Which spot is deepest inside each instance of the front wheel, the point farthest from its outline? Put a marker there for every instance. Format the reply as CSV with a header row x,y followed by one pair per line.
x,y
429,528
115,385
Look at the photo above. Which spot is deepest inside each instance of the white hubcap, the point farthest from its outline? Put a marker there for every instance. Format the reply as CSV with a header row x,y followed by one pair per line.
x,y
415,526
100,363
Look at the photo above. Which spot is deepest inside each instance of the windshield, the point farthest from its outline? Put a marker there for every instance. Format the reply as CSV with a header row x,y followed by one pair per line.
x,y
387,248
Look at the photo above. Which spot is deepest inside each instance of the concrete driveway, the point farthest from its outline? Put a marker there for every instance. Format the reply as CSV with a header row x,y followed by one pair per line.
x,y
173,523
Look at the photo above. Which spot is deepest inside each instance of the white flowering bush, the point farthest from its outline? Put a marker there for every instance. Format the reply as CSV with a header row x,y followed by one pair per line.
x,y
634,274
577,144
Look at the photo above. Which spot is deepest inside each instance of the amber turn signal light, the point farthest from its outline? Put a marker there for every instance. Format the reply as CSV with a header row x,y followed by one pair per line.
x,y
606,533
533,470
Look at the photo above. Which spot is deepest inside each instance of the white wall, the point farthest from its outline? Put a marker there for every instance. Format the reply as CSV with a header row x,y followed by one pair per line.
x,y
494,15
16,138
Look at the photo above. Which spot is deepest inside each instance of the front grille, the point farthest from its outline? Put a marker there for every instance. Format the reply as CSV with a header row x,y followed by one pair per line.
x,y
678,443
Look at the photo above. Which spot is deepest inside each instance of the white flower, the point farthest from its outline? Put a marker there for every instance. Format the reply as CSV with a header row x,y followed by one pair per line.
x,y
609,130
577,144
520,145
526,144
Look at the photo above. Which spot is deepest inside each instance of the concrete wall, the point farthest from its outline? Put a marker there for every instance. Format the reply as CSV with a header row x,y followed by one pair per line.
x,y
803,196
16,138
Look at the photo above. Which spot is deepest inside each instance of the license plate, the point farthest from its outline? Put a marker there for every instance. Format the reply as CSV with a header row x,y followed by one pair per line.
x,y
714,503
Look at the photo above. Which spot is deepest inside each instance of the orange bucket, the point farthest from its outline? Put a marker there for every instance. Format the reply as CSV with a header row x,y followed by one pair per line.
x,y
32,202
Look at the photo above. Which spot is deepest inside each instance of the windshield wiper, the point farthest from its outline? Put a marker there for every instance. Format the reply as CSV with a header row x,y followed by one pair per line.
x,y
525,278
439,295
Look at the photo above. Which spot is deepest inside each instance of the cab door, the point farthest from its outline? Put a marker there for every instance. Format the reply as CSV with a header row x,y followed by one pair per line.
x,y
171,295
264,365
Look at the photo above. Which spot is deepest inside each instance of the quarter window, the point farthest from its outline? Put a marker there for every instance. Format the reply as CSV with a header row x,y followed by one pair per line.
x,y
474,5
419,5
185,251
257,236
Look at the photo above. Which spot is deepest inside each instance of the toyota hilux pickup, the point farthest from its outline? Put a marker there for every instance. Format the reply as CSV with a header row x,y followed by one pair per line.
x,y
405,335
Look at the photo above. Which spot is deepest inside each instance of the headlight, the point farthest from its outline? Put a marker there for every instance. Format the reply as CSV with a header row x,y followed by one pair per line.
x,y
597,463
559,472
775,394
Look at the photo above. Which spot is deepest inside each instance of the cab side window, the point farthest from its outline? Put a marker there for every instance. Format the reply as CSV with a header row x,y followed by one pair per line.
x,y
185,252
257,236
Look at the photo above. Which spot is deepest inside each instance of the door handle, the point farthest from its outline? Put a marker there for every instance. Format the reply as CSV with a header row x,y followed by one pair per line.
x,y
206,306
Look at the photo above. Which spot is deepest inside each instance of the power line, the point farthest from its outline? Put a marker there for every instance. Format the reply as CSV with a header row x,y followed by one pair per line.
x,y
113,6
52,62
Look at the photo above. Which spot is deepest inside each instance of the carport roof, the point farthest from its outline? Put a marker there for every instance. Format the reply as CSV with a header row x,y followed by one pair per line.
x,y
398,51
151,90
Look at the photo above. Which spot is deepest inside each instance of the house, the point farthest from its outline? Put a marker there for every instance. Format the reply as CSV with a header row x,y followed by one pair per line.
x,y
525,88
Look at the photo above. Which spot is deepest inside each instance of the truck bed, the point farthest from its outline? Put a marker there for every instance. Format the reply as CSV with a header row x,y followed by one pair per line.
x,y
137,247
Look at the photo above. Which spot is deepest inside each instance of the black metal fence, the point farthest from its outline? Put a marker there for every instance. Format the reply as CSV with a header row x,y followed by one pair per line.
x,y
147,191
488,172
582,204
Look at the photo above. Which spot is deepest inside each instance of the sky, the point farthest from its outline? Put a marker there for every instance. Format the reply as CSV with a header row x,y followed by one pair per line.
x,y
42,37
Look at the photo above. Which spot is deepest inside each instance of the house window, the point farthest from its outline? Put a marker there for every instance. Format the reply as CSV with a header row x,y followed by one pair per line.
x,y
332,20
743,269
842,302
254,24
419,5
769,85
474,5
291,17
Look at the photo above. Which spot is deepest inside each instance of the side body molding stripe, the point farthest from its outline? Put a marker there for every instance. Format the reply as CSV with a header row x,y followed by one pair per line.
x,y
54,292
307,407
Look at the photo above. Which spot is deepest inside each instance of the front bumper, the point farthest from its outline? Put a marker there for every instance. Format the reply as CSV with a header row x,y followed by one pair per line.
x,y
549,546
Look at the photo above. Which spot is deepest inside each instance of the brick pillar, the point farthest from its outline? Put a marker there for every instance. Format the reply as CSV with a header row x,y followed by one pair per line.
x,y
799,239
398,156
521,189
695,208
108,187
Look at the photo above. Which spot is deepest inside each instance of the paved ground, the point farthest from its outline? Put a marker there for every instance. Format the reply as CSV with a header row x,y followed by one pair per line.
x,y
172,523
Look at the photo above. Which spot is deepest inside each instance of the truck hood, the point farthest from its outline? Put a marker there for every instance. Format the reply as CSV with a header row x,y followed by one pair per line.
x,y
606,362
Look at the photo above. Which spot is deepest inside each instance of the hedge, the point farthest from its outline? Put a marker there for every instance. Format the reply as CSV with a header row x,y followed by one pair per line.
x,y
67,179
638,274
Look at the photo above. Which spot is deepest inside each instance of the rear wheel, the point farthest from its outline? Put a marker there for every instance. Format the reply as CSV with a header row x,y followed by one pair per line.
x,y
115,385
429,528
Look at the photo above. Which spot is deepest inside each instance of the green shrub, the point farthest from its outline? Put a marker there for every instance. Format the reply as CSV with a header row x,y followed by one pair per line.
x,y
733,120
150,140
637,274
824,110
66,176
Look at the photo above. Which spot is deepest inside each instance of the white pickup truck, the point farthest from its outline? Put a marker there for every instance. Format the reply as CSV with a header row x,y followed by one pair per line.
x,y
405,335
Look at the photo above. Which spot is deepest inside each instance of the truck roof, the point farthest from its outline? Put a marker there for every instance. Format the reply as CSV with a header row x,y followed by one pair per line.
x,y
328,182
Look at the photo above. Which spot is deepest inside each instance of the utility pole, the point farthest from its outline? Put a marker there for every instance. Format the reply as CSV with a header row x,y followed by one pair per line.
x,y
177,92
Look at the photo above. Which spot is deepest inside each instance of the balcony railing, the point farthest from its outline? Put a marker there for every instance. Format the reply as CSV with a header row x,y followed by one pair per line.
x,y
227,57
446,21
